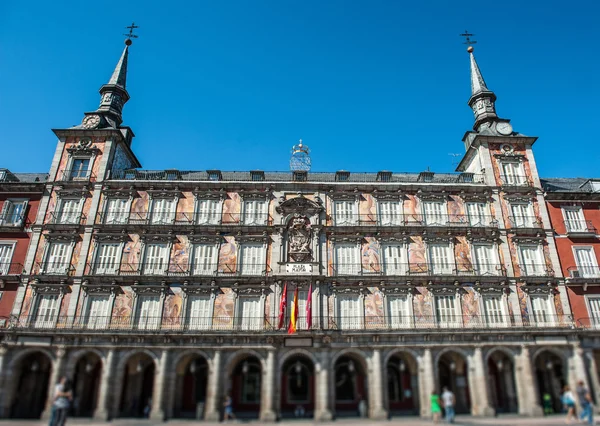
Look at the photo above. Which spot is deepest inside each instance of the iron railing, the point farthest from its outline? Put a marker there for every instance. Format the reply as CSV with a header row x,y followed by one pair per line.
x,y
402,219
182,219
11,269
54,268
591,323
65,218
584,272
579,226
418,269
172,269
515,180
524,222
535,270
75,176
138,324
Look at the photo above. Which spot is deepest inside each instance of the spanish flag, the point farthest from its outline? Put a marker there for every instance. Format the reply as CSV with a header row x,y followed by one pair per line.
x,y
294,315
282,306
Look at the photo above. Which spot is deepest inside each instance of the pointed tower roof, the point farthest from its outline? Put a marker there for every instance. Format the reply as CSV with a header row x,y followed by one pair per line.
x,y
119,75
482,99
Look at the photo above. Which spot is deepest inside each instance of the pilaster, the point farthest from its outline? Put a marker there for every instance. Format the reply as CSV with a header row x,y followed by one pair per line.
x,y
213,409
322,404
54,377
527,391
480,401
158,412
426,382
376,410
102,411
267,413
594,381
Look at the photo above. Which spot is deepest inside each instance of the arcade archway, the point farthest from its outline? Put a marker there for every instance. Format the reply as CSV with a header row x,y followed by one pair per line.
x,y
453,374
350,386
551,378
86,384
31,394
245,389
501,382
138,386
402,384
190,387
297,387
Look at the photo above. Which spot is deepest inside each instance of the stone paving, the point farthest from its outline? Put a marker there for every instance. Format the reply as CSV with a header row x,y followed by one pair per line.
x,y
460,421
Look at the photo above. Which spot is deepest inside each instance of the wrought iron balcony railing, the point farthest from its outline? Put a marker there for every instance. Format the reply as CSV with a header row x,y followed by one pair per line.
x,y
66,218
417,269
170,269
401,219
244,324
54,268
182,219
584,272
515,180
579,227
592,323
535,270
524,222
75,176
12,269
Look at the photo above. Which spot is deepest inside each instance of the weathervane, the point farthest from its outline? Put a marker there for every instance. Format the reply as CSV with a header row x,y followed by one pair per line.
x,y
468,40
130,35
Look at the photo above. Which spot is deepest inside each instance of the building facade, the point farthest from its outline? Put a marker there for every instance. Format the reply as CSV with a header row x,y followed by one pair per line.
x,y
160,291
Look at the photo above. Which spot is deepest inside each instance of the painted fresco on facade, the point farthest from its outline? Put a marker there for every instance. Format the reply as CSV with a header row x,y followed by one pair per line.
x,y
79,309
180,255
329,211
367,209
223,309
416,255
232,207
64,308
228,256
558,306
330,258
27,303
470,306
123,307
76,253
371,255
423,305
412,211
186,207
131,253
374,314
51,206
522,296
456,206
140,206
173,307
462,252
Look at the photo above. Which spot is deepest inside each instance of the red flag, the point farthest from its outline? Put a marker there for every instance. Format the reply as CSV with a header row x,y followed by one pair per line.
x,y
282,306
294,316
309,308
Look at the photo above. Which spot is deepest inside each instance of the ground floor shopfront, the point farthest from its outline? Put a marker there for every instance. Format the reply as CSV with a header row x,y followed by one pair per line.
x,y
271,378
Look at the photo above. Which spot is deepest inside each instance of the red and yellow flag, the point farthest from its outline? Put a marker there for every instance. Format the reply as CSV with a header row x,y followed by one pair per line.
x,y
282,307
294,315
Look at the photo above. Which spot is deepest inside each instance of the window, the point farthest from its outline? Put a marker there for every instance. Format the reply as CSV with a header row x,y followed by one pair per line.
x,y
199,312
163,211
255,212
541,308
435,212
532,263
205,259
390,213
441,260
574,219
208,212
343,212
253,259
350,313
57,258
6,253
148,312
394,259
13,212
587,265
494,311
157,259
108,258
486,259
98,312
512,173
594,311
47,311
446,312
522,215
69,212
477,213
398,311
251,317
347,259
80,168
117,211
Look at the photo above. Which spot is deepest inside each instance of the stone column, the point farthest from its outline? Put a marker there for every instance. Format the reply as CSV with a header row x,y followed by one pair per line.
x,y
322,407
3,373
376,409
212,412
594,381
527,391
426,382
267,413
480,400
577,371
102,411
54,376
158,411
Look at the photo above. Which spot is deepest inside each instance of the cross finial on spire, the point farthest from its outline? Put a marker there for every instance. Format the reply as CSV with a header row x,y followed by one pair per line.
x,y
468,40
130,35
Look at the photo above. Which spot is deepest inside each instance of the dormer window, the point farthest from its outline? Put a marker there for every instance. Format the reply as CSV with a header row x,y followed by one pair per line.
x,y
342,176
384,176
80,169
257,175
513,173
214,175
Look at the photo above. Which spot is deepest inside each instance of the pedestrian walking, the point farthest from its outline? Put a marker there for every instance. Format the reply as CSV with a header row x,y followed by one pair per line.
x,y
568,400
61,403
436,409
585,400
228,404
448,400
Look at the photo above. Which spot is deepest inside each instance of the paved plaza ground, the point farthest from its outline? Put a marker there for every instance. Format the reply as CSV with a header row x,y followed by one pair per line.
x,y
405,421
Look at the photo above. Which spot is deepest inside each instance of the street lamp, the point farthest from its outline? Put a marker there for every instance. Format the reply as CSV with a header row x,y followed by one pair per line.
x,y
139,368
35,366
245,367
549,365
402,366
89,367
351,366
452,366
500,365
193,367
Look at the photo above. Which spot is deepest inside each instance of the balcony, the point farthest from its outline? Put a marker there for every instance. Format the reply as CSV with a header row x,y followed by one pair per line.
x,y
524,222
10,270
583,272
58,269
580,228
57,220
75,176
455,220
535,270
516,181
418,269
163,269
182,219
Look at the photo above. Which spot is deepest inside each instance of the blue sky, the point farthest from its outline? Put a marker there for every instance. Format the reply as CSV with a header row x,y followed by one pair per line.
x,y
368,85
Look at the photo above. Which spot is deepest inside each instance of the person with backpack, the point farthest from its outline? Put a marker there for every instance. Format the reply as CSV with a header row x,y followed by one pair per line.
x,y
63,395
568,400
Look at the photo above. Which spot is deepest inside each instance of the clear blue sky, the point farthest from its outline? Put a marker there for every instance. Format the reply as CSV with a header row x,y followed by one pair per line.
x,y
368,85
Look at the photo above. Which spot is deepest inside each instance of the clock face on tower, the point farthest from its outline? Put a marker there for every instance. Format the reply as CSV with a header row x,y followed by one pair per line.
x,y
504,128
90,121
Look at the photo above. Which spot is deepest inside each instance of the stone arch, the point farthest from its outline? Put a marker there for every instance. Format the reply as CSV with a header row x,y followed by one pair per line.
x,y
457,350
506,351
392,352
305,383
22,353
557,352
452,371
188,352
124,358
27,393
85,370
348,400
240,354
76,356
294,352
401,381
499,364
136,383
244,374
361,355
190,372
551,370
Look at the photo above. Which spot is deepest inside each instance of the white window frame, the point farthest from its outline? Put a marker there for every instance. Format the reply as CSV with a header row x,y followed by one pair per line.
x,y
198,323
49,322
351,268
437,218
395,266
443,269
350,322
482,216
70,170
112,217
153,270
587,271
118,258
100,322
535,269
198,220
395,321
11,203
456,321
594,317
255,218
256,268
150,322
6,260
523,220
214,262
166,217
249,323
54,270
340,219
492,267
548,299
73,217
491,321
390,218
574,225
515,176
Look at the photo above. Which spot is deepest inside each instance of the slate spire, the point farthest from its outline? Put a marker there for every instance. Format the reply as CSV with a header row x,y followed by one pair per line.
x,y
482,100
